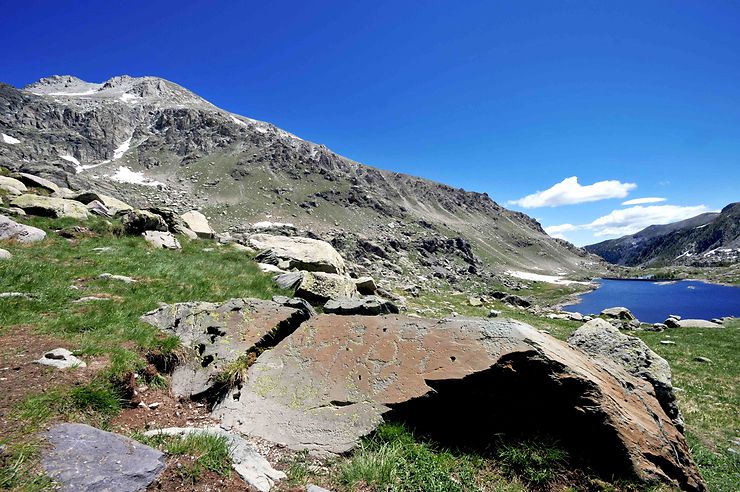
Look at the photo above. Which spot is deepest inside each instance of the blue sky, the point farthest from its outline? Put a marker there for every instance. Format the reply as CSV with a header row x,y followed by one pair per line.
x,y
510,98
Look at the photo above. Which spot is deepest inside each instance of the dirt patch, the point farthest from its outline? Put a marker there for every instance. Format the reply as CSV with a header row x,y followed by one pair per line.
x,y
175,478
157,410
21,378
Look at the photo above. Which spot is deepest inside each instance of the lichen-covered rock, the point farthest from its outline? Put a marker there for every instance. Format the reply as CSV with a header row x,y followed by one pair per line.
x,y
335,377
300,253
620,313
11,230
138,221
599,337
319,287
47,206
216,335
14,184
36,182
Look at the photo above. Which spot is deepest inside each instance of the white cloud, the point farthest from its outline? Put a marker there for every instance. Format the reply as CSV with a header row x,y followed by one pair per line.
x,y
558,230
569,192
640,201
633,219
630,220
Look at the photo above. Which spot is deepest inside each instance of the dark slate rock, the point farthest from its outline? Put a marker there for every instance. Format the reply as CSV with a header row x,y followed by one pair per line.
x,y
367,306
83,458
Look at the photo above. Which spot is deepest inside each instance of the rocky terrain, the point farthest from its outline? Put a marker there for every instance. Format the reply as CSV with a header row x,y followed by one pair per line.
x,y
193,300
707,240
153,143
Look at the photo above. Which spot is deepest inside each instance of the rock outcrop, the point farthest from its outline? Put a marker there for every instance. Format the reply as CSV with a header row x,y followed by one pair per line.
x,y
113,205
46,206
337,377
598,337
139,221
365,306
197,222
217,335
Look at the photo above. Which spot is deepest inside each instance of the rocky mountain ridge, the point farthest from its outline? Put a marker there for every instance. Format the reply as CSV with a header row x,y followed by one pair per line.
x,y
149,141
710,239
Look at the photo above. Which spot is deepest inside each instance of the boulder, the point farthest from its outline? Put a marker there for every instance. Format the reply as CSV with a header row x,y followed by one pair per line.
x,y
36,182
368,306
161,239
289,280
671,323
13,183
197,222
600,338
65,193
5,254
319,287
136,222
46,206
60,358
97,208
120,278
11,230
366,285
245,459
475,301
697,323
83,458
336,377
8,190
516,300
300,253
216,335
114,205
620,313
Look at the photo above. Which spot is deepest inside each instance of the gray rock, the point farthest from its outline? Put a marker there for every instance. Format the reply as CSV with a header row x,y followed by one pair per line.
x,y
675,316
161,239
366,285
299,253
60,358
620,313
121,278
5,254
9,190
316,488
138,221
494,313
475,301
671,323
11,295
319,287
667,342
598,337
246,460
12,230
658,327
85,459
197,222
46,206
296,303
14,184
699,358
697,323
216,335
368,306
36,182
113,205
516,300
97,208
289,280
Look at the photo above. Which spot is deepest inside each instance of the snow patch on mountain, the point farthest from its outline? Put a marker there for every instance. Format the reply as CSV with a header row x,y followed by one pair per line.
x,y
10,140
126,175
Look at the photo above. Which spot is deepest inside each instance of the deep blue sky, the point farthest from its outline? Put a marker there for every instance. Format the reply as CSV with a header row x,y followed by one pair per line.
x,y
504,97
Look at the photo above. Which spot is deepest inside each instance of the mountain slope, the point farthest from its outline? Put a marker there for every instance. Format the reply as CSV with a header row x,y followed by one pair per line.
x,y
705,240
147,140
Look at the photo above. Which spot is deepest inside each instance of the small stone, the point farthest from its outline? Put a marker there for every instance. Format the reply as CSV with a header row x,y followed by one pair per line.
x,y
5,254
475,301
493,313
702,359
164,240
122,278
60,358
667,342
155,405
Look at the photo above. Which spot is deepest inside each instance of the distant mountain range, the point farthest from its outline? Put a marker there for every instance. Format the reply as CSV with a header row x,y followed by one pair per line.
x,y
149,141
709,239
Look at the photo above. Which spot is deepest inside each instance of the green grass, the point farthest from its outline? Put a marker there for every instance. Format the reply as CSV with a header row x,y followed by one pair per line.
x,y
206,452
201,271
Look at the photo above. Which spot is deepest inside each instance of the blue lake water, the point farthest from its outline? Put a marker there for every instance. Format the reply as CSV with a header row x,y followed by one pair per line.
x,y
652,302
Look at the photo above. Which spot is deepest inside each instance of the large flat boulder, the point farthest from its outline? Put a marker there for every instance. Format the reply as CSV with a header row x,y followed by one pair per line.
x,y
461,382
36,182
697,323
47,206
198,223
300,253
83,458
598,337
11,230
367,306
163,240
216,335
